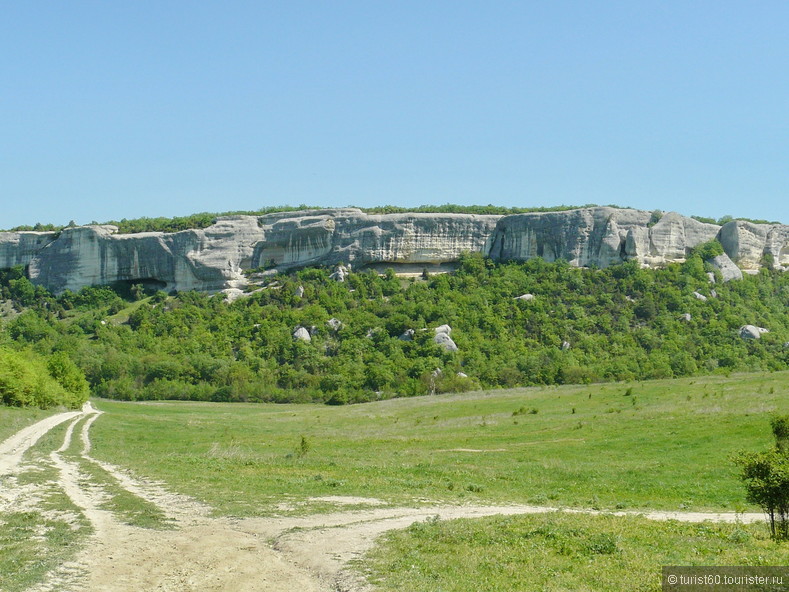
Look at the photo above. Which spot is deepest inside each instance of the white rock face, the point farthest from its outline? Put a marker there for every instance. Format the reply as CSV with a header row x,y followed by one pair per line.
x,y
747,243
302,334
340,273
351,236
19,248
698,296
207,260
752,332
215,258
443,340
599,236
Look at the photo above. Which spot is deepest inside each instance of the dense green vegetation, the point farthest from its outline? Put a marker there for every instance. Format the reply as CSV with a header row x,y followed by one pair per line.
x,y
582,326
662,444
26,379
558,552
205,219
766,478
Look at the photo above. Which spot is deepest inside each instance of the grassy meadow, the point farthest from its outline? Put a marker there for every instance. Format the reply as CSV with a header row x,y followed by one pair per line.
x,y
644,445
660,445
559,552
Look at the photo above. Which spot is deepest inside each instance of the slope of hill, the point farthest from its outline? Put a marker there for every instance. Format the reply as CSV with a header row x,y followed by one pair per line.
x,y
306,337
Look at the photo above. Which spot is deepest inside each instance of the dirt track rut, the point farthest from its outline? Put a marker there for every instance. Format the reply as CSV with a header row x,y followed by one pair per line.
x,y
204,553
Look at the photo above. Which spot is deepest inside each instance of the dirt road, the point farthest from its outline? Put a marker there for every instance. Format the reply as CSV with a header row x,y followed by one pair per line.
x,y
204,553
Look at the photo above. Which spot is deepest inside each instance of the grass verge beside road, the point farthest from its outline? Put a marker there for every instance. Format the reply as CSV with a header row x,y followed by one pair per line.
x,y
559,551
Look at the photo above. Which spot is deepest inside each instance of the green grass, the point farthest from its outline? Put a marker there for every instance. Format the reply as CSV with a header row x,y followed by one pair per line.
x,y
665,445
13,419
32,545
126,506
558,552
123,315
36,541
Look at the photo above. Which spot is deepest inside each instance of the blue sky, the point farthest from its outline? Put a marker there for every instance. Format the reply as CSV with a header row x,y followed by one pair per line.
x,y
127,109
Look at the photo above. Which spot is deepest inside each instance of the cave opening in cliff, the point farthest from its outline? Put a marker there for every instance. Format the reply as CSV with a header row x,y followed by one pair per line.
x,y
128,289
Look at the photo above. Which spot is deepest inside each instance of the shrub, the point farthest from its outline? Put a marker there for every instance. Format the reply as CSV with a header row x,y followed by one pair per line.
x,y
27,381
766,478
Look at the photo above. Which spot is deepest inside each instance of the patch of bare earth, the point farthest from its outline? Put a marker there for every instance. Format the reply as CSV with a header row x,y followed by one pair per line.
x,y
202,553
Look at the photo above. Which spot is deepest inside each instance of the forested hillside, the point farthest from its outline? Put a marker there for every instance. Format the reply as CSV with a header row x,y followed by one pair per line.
x,y
582,325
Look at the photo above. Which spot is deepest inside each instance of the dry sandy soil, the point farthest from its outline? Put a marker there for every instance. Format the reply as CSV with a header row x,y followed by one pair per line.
x,y
204,553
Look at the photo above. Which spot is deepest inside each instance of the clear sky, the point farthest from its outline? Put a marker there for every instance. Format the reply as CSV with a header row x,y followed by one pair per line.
x,y
161,108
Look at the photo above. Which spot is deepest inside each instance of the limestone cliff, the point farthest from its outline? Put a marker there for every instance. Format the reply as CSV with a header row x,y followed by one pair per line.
x,y
215,258
19,248
599,236
747,243
349,235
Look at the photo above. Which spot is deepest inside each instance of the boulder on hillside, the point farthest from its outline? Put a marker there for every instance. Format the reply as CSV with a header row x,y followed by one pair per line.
x,y
727,267
408,335
334,324
752,332
701,297
525,297
686,316
340,273
299,292
302,334
443,340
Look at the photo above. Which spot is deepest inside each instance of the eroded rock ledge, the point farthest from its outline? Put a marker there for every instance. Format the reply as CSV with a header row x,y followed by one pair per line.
x,y
215,258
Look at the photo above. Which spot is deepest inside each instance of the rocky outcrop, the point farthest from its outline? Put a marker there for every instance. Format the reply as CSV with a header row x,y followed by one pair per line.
x,y
443,340
729,271
750,332
208,260
302,334
599,236
329,237
216,258
334,324
19,248
748,243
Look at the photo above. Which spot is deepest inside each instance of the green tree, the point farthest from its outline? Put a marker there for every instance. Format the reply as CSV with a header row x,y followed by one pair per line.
x,y
70,377
766,478
26,382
